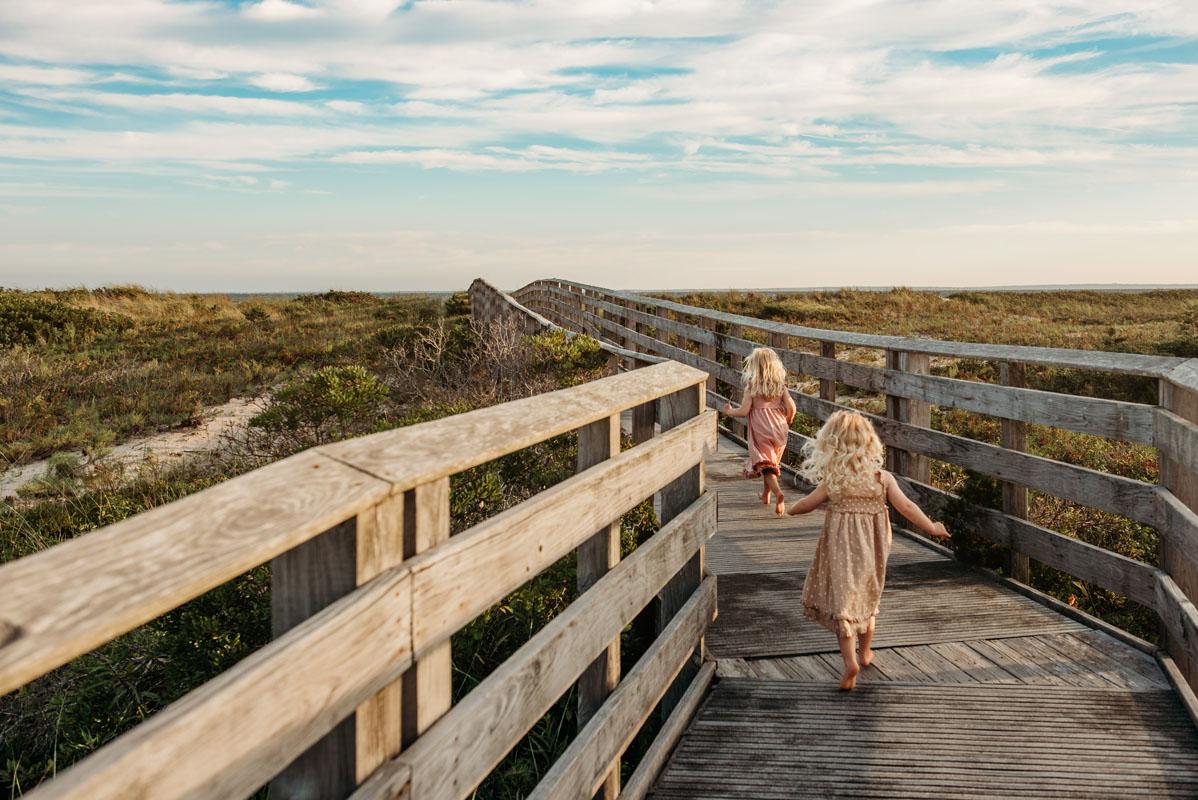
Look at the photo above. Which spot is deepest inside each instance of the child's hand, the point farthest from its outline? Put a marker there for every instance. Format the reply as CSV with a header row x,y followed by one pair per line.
x,y
940,532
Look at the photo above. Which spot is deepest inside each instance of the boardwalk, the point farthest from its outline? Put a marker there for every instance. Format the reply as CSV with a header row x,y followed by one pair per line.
x,y
976,692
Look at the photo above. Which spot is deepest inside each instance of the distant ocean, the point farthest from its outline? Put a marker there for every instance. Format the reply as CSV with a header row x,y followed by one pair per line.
x,y
1075,287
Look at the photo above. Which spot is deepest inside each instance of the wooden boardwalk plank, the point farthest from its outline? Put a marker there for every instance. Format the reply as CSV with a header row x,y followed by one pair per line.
x,y
761,614
775,739
976,691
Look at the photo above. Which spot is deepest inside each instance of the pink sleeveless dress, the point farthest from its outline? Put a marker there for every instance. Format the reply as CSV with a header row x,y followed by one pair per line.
x,y
768,428
844,584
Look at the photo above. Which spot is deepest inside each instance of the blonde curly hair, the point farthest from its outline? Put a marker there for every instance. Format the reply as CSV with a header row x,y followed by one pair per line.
x,y
845,454
763,374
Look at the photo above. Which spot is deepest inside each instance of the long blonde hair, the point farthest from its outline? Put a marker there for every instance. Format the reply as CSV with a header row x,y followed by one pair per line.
x,y
845,454
763,374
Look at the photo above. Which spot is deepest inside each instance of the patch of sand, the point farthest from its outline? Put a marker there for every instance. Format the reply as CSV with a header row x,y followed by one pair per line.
x,y
219,422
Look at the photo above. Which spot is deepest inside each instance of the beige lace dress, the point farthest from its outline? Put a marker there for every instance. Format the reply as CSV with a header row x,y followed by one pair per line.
x,y
844,585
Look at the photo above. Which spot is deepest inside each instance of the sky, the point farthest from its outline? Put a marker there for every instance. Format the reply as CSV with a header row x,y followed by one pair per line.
x,y
299,145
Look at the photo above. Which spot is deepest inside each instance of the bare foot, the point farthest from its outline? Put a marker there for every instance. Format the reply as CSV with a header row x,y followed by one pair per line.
x,y
765,497
849,679
867,658
780,506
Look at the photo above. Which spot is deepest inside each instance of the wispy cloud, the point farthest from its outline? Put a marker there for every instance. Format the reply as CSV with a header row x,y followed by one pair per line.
x,y
869,116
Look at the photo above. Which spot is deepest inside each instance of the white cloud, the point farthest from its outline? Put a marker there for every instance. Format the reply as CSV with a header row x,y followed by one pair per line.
x,y
501,159
44,76
279,11
347,106
283,82
198,104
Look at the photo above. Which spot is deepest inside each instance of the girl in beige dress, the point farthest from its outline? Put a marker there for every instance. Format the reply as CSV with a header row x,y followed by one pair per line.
x,y
769,408
845,581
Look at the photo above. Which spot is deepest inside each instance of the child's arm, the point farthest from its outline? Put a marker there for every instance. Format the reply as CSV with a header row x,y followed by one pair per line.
x,y
810,502
738,411
791,408
906,506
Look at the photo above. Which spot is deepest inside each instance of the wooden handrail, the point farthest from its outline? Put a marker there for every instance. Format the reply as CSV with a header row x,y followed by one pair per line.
x,y
702,338
1112,419
64,601
388,619
458,752
1123,363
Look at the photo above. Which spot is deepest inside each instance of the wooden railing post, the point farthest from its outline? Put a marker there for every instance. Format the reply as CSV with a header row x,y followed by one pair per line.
x,y
827,388
1014,496
708,350
428,684
737,362
644,419
304,580
912,412
1182,481
672,410
598,442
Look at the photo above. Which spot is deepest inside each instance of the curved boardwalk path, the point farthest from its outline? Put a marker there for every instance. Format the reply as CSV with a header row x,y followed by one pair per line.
x,y
976,691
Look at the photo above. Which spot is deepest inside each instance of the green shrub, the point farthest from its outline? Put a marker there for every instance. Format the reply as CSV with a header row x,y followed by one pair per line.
x,y
458,305
330,403
129,291
571,358
255,313
337,297
401,335
28,320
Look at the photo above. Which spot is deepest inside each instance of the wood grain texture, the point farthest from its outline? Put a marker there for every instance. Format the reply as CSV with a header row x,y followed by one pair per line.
x,y
581,769
598,442
673,411
462,748
1118,495
1133,579
1014,495
65,601
1125,363
1065,659
667,737
827,388
303,581
1108,418
379,721
231,735
428,686
449,589
771,739
762,614
410,456
1179,498
1178,614
1177,438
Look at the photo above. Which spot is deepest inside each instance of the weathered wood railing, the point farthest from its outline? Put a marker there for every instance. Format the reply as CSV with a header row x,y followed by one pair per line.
x,y
715,342
353,695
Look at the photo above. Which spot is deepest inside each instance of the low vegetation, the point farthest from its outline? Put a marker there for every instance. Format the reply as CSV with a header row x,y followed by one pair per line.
x,y
340,364
84,370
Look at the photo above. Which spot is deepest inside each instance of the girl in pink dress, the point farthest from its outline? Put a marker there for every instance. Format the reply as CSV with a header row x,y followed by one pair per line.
x,y
844,583
769,408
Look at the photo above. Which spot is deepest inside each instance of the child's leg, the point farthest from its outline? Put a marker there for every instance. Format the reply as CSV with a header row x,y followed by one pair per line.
x,y
867,656
771,482
765,486
848,651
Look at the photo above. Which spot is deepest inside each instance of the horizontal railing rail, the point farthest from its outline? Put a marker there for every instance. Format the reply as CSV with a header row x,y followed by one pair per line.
x,y
715,342
368,587
1122,363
